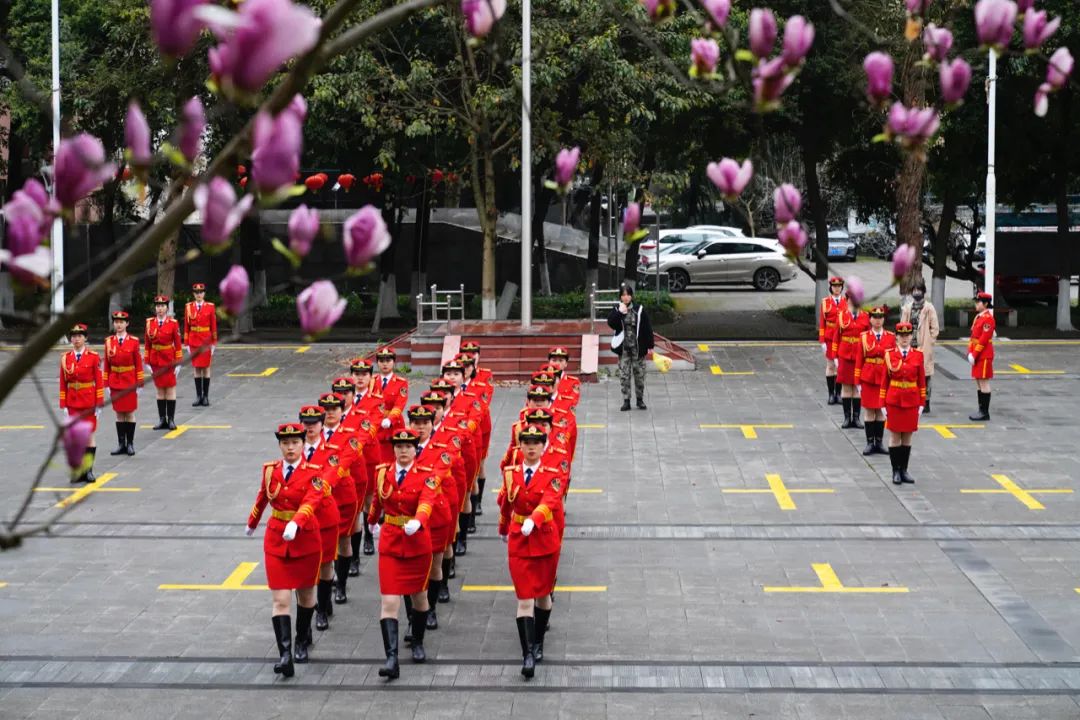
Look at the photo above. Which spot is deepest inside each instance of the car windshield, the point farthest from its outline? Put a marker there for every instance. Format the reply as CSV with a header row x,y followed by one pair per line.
x,y
686,249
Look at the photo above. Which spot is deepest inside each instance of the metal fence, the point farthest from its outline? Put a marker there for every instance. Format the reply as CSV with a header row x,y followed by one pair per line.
x,y
441,306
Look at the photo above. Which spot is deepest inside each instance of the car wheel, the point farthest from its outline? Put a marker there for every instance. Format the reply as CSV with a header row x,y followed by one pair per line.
x,y
766,279
678,280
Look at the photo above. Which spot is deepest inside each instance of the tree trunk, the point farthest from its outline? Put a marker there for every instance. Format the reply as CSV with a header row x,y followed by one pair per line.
x,y
420,240
941,250
820,222
491,218
1061,182
386,305
542,199
592,262
910,180
166,267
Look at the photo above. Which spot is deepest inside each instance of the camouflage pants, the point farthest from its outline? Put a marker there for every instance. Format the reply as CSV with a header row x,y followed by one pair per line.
x,y
630,364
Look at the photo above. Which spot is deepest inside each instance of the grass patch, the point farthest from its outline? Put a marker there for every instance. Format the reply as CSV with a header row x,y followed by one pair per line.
x,y
802,314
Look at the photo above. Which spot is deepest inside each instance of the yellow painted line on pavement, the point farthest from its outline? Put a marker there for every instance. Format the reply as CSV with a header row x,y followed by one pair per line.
x,y
830,583
781,492
1021,370
945,430
1027,497
235,581
715,370
302,349
558,588
265,373
181,429
594,426
22,427
80,494
749,431
3,584
703,347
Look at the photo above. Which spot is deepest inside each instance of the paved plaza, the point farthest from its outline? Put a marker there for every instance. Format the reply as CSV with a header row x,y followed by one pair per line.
x,y
729,554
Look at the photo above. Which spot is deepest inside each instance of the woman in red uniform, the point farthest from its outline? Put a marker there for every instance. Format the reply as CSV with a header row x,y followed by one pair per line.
x,y
164,351
124,378
530,504
346,446
200,337
852,324
904,395
828,328
82,391
292,548
981,352
326,513
870,376
404,495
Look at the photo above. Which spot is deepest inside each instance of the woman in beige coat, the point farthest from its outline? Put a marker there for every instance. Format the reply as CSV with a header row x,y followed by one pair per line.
x,y
924,319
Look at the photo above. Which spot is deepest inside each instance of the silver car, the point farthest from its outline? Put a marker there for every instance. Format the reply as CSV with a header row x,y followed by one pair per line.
x,y
724,261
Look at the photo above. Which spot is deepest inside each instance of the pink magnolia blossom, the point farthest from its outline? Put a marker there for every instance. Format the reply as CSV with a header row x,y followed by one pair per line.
x,y
277,143
365,236
730,177
955,77
903,259
798,39
258,39
137,135
659,9
718,10
937,41
303,227
80,168
762,32
481,15
32,268
76,437
879,76
631,219
192,124
770,80
994,22
220,211
786,203
1060,68
704,54
854,289
793,237
28,216
319,307
234,289
913,126
175,25
1037,29
917,7
298,107
566,163
1042,99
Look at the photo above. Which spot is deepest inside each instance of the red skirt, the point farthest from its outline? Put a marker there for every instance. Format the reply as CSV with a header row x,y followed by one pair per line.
x,y
90,418
403,576
329,537
534,577
871,397
442,535
201,356
845,372
125,400
348,518
166,379
902,419
292,573
983,369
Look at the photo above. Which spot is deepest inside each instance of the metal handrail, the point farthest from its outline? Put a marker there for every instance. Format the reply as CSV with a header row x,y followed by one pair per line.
x,y
450,301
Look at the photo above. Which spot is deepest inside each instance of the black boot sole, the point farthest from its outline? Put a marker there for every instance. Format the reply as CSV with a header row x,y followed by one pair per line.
x,y
390,673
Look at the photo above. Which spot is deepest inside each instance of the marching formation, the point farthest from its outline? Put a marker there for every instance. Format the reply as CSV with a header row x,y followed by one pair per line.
x,y
362,467
86,378
884,376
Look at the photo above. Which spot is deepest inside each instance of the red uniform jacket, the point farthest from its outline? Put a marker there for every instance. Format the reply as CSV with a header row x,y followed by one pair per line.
x,y
326,512
457,488
870,362
569,387
905,385
81,383
163,346
293,500
123,363
483,375
828,320
350,446
851,329
443,510
981,344
200,325
413,498
541,500
395,396
565,422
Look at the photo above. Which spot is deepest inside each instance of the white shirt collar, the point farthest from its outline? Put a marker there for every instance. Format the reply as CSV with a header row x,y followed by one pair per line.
x,y
526,466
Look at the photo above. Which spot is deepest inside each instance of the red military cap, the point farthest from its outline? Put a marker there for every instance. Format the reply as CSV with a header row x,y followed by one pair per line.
x,y
532,433
404,437
120,315
543,378
289,430
537,415
984,297
539,392
331,400
466,359
386,353
77,329
903,328
421,412
470,346
433,397
312,414
343,385
441,385
453,366
360,365
836,280
558,352
879,311
161,299
198,287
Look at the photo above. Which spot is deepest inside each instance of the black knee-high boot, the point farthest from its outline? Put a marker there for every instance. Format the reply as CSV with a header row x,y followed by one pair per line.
x,y
369,541
419,623
88,476
163,423
444,585
130,430
526,629
323,606
283,633
542,617
170,414
856,411
904,458
389,627
206,392
926,406
121,439
198,392
848,423
478,498
341,577
871,436
432,598
894,459
303,633
830,381
408,619
354,561
879,440
984,407
461,547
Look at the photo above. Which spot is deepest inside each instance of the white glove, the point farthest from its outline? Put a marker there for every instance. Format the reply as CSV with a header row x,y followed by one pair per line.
x,y
921,408
147,369
411,527
825,348
249,531
971,359
385,424
505,538
290,530
885,411
108,393
375,529
187,349
97,412
527,527
212,349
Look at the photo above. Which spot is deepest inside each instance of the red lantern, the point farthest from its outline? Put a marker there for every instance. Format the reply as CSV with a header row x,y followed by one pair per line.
x,y
243,182
346,180
241,170
436,176
315,182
